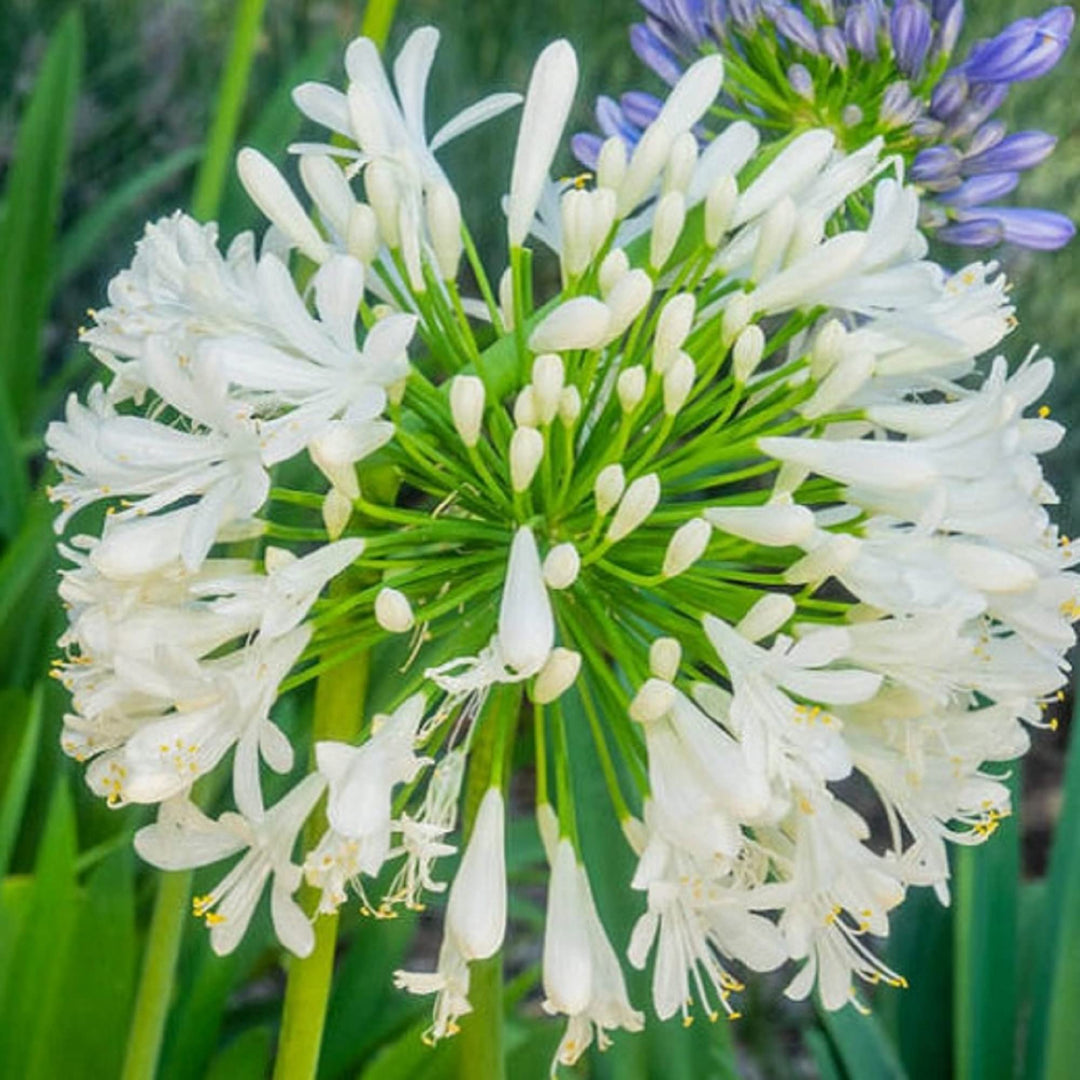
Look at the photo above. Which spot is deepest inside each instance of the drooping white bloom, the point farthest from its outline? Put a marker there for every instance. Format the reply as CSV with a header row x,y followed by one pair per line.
x,y
184,838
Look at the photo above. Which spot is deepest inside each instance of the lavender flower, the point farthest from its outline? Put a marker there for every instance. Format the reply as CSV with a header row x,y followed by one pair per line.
x,y
934,109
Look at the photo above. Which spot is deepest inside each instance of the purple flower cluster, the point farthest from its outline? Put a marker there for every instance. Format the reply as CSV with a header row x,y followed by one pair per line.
x,y
940,116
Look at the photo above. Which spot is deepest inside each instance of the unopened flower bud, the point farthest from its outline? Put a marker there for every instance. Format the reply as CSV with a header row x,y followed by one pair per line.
x,y
614,267
681,162
777,524
646,164
766,616
665,655
526,451
561,566
748,351
609,487
667,228
557,675
575,210
653,701
583,322
672,329
828,349
686,547
411,256
626,301
638,502
776,229
840,385
569,405
603,217
272,195
547,384
506,298
382,193
525,411
611,163
736,315
393,611
362,233
336,511
719,209
631,387
444,224
467,407
678,382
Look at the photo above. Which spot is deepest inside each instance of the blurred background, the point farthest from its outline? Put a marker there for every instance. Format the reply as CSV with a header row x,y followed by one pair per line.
x,y
106,113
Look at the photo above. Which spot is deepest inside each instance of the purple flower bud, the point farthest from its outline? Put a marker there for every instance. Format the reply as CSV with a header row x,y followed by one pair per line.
x,y
948,96
1024,50
911,33
801,81
936,165
640,108
585,146
1039,230
981,233
745,13
898,107
987,136
938,8
928,128
981,189
834,46
861,28
983,101
686,19
611,120
1014,153
948,32
654,54
796,27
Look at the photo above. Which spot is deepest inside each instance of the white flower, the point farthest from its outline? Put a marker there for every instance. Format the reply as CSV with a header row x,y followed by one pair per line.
x,y
184,838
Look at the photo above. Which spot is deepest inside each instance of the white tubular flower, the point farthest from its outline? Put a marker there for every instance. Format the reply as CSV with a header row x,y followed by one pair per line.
x,y
581,974
672,329
668,227
547,105
184,838
547,384
631,387
526,624
638,502
444,225
678,382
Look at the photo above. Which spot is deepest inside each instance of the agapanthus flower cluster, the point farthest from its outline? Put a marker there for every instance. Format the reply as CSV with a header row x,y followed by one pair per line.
x,y
740,501
863,68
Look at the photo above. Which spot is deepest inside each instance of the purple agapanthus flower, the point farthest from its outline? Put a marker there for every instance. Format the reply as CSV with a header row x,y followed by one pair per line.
x,y
934,107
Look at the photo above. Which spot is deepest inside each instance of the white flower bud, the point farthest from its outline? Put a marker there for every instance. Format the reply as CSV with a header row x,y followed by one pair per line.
x,y
271,193
672,329
823,562
614,267
840,385
362,234
748,351
719,209
665,655
506,298
603,217
766,616
526,451
525,411
329,190
526,632
611,163
547,382
776,524
631,387
276,559
336,511
444,223
576,210
653,701
667,228
467,407
393,611
678,382
561,567
569,405
385,199
680,166
557,675
581,323
627,300
808,234
776,229
476,908
409,232
609,487
686,547
638,502
828,349
736,315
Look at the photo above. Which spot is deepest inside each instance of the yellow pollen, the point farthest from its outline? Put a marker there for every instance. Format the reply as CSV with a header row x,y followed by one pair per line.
x,y
1044,411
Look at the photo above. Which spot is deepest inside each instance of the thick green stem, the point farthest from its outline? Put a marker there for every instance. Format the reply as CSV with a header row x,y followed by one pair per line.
x,y
482,1030
378,18
156,980
339,707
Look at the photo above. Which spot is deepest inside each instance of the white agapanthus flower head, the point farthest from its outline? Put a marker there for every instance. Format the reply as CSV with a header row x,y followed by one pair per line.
x,y
742,502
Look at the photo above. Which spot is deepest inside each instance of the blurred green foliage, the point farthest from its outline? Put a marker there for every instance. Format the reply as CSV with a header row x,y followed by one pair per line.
x,y
105,106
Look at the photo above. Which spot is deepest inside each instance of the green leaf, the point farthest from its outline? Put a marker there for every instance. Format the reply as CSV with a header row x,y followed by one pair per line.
x,y
828,1068
19,737
247,1057
31,1002
1055,1004
984,956
35,185
861,1045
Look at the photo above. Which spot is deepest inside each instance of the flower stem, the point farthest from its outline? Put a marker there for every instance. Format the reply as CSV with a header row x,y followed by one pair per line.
x,y
155,983
339,707
378,18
